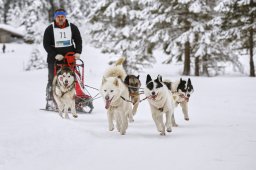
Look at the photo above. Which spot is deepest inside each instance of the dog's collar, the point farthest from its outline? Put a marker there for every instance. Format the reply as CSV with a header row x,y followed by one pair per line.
x,y
126,99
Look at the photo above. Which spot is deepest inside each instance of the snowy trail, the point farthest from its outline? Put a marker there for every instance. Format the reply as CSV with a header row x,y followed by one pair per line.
x,y
219,135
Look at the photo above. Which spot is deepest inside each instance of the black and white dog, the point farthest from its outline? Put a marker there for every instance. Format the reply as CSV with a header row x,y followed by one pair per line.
x,y
181,91
161,102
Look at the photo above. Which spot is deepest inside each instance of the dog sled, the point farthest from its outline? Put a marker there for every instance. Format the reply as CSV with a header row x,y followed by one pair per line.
x,y
83,99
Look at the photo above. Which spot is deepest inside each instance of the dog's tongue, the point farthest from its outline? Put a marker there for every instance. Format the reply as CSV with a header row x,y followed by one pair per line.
x,y
107,104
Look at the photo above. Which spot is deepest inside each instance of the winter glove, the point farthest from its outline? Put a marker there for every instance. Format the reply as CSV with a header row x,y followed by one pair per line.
x,y
77,55
59,57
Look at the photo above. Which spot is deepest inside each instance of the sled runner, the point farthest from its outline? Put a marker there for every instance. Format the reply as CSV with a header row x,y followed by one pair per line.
x,y
83,99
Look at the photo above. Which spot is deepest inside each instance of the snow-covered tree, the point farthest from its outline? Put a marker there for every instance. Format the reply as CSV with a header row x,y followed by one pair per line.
x,y
15,14
34,18
239,25
212,57
1,11
177,25
87,6
73,8
113,30
36,60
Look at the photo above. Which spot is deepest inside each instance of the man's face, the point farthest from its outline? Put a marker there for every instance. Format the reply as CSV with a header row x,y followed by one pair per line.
x,y
60,19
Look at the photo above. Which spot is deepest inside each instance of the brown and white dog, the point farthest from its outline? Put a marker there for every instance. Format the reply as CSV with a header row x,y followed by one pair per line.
x,y
64,92
133,83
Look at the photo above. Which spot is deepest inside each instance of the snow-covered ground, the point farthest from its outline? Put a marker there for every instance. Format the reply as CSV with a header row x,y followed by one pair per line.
x,y
219,136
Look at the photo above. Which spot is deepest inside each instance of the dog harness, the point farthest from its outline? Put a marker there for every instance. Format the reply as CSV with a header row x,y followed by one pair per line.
x,y
62,36
72,86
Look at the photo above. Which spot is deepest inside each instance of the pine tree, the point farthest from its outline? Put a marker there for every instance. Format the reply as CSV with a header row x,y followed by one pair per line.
x,y
73,8
178,25
15,14
34,18
1,11
36,60
5,7
114,31
239,25
212,57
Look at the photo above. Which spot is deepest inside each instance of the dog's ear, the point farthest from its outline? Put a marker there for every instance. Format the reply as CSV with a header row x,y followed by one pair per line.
x,y
189,81
126,80
159,77
149,79
116,82
180,80
103,80
138,77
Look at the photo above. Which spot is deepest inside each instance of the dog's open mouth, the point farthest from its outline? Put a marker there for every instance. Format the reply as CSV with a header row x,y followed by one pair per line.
x,y
184,97
66,84
108,103
153,97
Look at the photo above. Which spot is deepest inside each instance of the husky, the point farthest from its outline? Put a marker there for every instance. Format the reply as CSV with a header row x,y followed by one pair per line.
x,y
64,92
115,93
160,102
133,83
181,91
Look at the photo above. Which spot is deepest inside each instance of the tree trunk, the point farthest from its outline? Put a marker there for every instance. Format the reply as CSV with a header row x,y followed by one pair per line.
x,y
205,66
197,67
252,69
186,70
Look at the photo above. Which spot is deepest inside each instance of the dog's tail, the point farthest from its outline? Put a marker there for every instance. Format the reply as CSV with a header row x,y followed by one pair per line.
x,y
120,61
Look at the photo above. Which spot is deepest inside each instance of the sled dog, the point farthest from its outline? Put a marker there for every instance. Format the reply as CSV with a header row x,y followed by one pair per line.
x,y
160,102
181,91
64,92
114,93
133,83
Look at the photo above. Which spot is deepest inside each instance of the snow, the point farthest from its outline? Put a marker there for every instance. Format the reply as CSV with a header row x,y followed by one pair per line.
x,y
219,135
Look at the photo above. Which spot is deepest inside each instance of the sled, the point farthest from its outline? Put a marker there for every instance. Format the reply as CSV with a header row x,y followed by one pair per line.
x,y
83,99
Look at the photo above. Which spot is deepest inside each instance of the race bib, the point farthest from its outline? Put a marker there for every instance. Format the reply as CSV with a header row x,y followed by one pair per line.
x,y
62,37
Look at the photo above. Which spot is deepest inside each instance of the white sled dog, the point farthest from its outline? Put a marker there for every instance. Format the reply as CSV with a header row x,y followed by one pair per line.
x,y
181,91
160,102
64,92
114,93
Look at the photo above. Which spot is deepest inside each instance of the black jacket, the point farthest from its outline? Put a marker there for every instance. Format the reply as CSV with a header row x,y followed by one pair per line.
x,y
49,43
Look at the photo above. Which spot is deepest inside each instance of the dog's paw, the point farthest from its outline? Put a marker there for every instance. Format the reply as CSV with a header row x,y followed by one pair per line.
x,y
186,118
131,120
111,128
162,133
75,115
122,133
61,115
169,130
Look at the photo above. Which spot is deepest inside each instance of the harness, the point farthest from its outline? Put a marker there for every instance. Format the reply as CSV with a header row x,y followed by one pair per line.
x,y
71,87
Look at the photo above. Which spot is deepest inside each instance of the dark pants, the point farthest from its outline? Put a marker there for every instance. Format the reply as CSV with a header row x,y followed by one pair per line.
x,y
50,79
